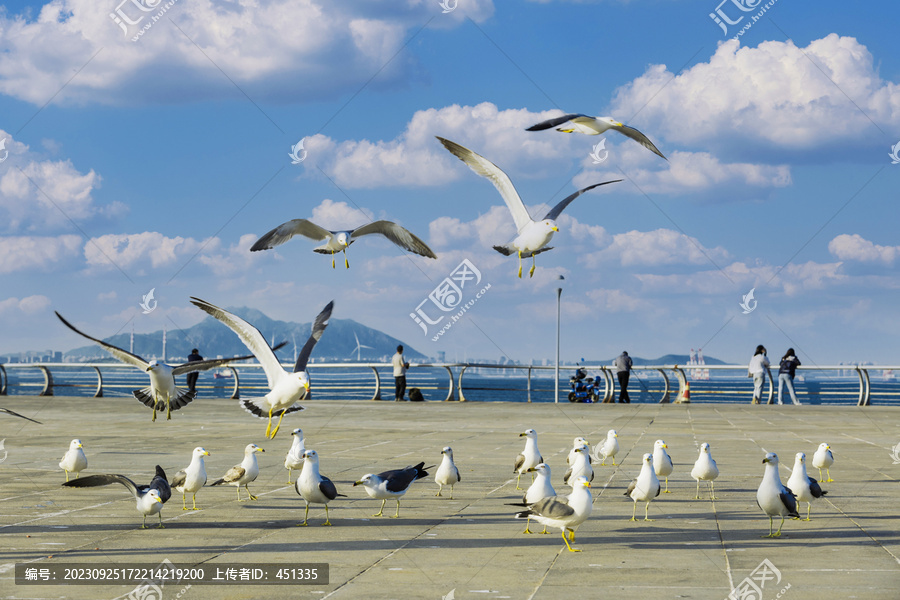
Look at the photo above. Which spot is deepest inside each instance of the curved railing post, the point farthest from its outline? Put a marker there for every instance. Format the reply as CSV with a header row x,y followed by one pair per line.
x,y
864,386
377,394
607,386
462,396
451,395
236,392
48,381
528,384
665,396
2,381
99,392
682,384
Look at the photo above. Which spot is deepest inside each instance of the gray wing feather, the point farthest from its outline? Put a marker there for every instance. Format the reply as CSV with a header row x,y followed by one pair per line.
x,y
790,502
631,487
318,329
397,234
286,231
557,210
234,473
549,123
520,460
327,488
553,507
122,355
179,479
98,480
639,137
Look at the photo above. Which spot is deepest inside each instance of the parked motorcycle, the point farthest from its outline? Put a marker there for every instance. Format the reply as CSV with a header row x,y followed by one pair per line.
x,y
584,388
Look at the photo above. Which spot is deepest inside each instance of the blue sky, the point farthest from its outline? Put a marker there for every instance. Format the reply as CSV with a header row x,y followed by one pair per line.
x,y
156,163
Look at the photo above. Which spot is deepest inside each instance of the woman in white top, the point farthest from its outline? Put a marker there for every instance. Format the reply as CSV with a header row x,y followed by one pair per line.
x,y
759,365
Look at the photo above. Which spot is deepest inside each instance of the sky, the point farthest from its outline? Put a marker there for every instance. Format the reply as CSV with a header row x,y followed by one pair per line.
x,y
148,145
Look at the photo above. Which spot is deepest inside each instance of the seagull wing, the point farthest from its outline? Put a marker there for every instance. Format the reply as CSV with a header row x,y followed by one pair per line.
x,y
553,507
815,489
557,210
790,501
400,479
98,480
15,414
327,488
179,479
251,337
400,236
161,484
318,329
122,355
206,365
639,137
501,181
286,231
555,121
233,474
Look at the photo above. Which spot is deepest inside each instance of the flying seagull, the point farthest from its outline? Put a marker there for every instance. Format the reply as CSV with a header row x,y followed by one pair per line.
x,y
312,486
391,484
243,474
532,236
150,498
339,241
773,498
162,392
595,126
566,513
191,478
15,414
285,388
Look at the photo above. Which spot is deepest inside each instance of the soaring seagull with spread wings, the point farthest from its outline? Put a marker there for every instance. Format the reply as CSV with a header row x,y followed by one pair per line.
x,y
286,388
162,392
532,236
595,126
339,241
149,498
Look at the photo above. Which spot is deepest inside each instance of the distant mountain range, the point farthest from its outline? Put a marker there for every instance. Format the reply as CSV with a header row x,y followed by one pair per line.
x,y
213,338
666,359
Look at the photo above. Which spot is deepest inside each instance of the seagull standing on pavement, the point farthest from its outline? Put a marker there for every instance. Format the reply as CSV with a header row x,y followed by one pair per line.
x,y
447,473
74,459
705,469
294,458
566,513
645,488
391,484
662,463
823,459
244,473
192,478
149,498
530,456
773,498
312,486
804,487
608,448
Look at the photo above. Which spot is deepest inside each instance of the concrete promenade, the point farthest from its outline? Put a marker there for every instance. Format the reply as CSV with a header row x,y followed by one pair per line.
x,y
470,546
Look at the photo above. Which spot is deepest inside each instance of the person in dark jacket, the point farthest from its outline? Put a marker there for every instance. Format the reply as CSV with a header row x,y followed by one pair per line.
x,y
194,356
789,364
623,372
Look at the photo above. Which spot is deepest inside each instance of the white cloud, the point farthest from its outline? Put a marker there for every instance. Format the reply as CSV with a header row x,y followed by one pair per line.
x,y
24,253
655,248
281,50
29,305
37,194
775,94
339,215
149,248
855,247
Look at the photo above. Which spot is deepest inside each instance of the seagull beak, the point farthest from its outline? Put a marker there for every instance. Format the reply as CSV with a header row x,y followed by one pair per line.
x,y
587,484
206,454
356,483
618,124
149,369
523,434
306,385
555,228
765,460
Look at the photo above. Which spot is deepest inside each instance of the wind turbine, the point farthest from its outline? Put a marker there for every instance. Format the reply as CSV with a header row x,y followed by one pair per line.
x,y
359,347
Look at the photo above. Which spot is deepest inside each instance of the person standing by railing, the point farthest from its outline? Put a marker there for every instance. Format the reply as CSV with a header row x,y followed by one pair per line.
x,y
759,366
194,356
786,369
398,361
623,372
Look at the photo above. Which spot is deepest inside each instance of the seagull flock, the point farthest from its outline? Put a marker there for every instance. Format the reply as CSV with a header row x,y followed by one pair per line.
x,y
540,502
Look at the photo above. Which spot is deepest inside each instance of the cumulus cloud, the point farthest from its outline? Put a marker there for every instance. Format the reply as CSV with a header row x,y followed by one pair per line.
x,y
655,248
149,248
855,247
773,95
38,194
277,50
29,305
25,253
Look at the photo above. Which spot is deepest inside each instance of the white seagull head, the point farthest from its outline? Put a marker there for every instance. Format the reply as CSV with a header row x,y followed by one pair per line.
x,y
771,458
343,238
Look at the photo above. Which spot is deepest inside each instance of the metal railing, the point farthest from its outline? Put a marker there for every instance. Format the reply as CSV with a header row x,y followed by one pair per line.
x,y
655,376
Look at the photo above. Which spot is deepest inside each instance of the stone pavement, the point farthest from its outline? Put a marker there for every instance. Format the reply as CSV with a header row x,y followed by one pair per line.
x,y
468,547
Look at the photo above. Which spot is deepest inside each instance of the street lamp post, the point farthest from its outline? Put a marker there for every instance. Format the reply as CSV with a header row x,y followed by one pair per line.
x,y
558,296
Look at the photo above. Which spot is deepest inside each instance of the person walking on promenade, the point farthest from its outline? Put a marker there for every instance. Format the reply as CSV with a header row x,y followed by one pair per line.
x,y
623,371
759,366
789,364
400,367
194,356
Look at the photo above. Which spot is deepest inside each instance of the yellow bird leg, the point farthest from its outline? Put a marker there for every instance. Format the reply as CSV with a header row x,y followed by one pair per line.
x,y
667,487
332,259
712,490
290,470
397,514
239,494
634,512
251,496
527,523
517,481
327,522
161,526
278,425
380,510
520,269
305,517
808,506
269,427
647,513
194,507
571,549
531,272
346,262
183,502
